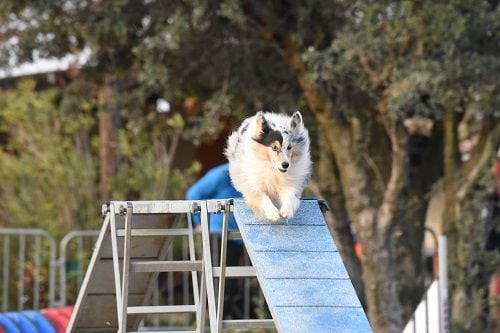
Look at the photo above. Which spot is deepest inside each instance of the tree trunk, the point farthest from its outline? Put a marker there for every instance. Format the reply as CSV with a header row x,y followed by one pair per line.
x,y
106,154
109,114
450,169
459,180
337,220
380,276
372,226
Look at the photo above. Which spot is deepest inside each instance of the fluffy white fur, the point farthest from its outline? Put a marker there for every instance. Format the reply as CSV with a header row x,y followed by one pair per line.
x,y
269,163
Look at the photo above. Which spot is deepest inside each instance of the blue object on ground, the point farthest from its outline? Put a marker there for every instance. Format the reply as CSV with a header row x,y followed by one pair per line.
x,y
25,325
8,325
301,274
42,324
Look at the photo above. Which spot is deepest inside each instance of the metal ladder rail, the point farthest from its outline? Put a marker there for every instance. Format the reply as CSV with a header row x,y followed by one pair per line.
x,y
122,325
199,293
207,267
156,267
121,285
192,257
223,271
116,264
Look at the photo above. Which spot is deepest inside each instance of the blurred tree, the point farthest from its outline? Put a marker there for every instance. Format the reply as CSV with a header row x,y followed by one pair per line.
x,y
47,168
112,30
387,83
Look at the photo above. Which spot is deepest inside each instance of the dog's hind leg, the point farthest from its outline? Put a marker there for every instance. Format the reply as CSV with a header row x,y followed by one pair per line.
x,y
262,205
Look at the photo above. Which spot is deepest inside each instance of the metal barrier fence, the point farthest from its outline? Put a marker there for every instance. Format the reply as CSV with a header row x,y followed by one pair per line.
x,y
31,272
75,250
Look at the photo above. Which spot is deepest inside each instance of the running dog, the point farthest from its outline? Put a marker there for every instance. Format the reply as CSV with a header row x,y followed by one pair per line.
x,y
270,163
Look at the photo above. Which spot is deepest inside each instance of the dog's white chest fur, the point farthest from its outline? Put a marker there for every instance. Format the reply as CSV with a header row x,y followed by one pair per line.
x,y
269,163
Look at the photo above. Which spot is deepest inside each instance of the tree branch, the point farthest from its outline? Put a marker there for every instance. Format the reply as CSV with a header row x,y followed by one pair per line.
x,y
316,98
488,142
450,144
378,79
396,181
348,158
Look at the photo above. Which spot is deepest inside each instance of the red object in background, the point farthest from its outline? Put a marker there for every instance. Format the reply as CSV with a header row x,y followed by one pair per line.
x,y
59,317
2,330
497,168
496,281
358,250
66,311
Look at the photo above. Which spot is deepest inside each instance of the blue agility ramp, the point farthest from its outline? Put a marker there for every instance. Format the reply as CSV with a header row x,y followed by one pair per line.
x,y
300,272
299,269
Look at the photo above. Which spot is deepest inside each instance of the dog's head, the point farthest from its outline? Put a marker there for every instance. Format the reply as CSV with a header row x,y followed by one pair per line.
x,y
280,142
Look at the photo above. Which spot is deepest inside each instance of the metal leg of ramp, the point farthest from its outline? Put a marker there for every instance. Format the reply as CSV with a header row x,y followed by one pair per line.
x,y
217,323
152,266
132,247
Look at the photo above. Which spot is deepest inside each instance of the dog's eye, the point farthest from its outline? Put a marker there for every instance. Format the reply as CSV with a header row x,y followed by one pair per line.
x,y
276,148
289,147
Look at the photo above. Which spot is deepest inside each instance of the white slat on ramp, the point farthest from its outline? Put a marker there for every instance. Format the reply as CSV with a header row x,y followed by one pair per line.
x,y
300,272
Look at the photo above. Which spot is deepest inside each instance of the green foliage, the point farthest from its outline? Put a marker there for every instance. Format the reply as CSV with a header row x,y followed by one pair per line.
x,y
48,174
48,166
432,55
148,145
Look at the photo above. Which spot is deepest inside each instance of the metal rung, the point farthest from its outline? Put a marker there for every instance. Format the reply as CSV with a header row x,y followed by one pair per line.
x,y
234,235
164,331
155,232
217,205
144,266
235,271
248,323
156,207
97,329
160,309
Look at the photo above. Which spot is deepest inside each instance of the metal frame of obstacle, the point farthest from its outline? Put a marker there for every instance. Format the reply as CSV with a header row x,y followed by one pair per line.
x,y
223,272
127,221
128,317
121,250
155,267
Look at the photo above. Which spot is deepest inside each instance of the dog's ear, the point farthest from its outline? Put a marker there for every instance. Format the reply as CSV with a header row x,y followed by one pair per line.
x,y
296,123
261,124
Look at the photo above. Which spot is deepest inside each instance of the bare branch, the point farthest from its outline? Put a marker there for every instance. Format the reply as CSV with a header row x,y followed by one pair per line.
x,y
379,79
396,181
318,102
364,59
481,155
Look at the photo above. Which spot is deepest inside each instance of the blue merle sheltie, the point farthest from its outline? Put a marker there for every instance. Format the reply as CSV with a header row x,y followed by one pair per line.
x,y
270,163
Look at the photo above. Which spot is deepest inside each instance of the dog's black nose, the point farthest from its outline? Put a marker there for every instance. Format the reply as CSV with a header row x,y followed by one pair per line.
x,y
285,165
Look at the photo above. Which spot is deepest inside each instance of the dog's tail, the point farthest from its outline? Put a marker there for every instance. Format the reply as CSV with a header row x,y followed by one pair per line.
x,y
231,145
234,139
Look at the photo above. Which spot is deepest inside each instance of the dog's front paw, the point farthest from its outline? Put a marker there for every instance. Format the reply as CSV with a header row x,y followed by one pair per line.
x,y
289,208
272,213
